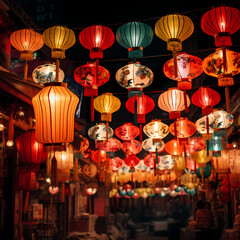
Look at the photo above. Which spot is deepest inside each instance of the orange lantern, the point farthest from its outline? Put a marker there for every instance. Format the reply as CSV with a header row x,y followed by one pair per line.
x,y
173,101
26,41
54,108
174,147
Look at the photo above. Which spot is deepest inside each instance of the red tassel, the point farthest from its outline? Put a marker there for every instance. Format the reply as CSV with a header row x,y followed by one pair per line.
x,y
54,172
175,128
140,135
92,109
207,124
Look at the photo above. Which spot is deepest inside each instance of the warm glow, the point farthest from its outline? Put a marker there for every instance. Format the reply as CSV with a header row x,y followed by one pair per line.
x,y
10,143
1,127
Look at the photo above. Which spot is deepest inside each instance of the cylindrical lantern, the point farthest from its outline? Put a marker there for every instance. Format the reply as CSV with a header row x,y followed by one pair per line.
x,y
221,22
107,104
59,39
134,36
174,29
54,108
188,67
134,77
29,150
96,38
172,101
46,73
26,41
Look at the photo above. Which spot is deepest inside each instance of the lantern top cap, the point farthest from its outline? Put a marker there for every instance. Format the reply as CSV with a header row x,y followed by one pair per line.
x,y
54,84
156,120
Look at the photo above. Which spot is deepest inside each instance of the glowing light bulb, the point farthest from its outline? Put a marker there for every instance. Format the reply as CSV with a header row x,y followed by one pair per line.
x,y
9,143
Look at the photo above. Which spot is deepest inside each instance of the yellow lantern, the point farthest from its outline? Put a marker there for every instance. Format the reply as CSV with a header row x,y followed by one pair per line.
x,y
174,29
190,180
202,156
54,108
107,104
59,39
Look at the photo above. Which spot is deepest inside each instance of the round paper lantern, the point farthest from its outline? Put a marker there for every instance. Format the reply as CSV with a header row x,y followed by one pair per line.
x,y
219,119
206,98
149,146
188,67
134,77
174,29
131,147
156,129
150,160
98,156
189,180
107,104
134,36
53,190
166,162
184,128
141,167
26,41
221,22
116,163
206,171
96,38
131,160
140,105
127,132
112,145
46,73
195,144
54,108
221,163
202,156
59,39
174,147
87,77
98,132
89,170
29,150
172,101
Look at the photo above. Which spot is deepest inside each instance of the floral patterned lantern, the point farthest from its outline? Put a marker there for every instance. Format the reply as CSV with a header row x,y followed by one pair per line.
x,y
156,129
195,144
112,145
188,67
134,36
174,147
134,77
149,146
174,101
98,132
221,22
219,119
46,73
131,147
127,132
223,64
116,163
166,162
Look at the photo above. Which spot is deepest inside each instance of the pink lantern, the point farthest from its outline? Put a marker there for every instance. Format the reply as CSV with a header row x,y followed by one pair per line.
x,y
195,144
116,163
112,145
127,131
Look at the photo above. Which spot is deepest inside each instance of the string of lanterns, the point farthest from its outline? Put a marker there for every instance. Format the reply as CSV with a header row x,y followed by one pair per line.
x,y
55,105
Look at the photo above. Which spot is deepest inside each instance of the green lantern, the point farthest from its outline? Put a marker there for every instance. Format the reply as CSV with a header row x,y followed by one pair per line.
x,y
134,36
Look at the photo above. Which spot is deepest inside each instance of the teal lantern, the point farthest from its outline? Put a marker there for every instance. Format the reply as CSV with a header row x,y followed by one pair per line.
x,y
215,145
134,36
204,172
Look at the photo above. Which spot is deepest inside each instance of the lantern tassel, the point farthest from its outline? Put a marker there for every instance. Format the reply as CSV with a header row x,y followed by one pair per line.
x,y
63,193
135,112
227,98
25,73
175,64
57,70
25,207
107,130
54,172
92,109
175,129
140,134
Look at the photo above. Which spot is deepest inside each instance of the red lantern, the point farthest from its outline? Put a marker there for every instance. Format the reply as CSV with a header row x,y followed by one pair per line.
x,y
174,147
150,160
127,132
206,98
112,145
116,163
131,147
140,105
195,144
29,150
132,161
98,156
96,38
221,22
173,101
